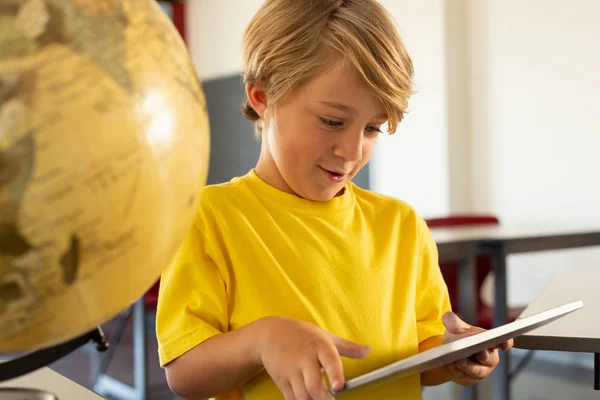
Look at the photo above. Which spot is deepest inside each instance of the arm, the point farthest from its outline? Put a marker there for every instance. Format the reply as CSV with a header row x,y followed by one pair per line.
x,y
468,371
432,302
220,364
293,352
437,325
435,376
200,356
203,357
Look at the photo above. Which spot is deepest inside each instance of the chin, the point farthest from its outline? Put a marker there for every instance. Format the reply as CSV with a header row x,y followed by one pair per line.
x,y
324,195
322,191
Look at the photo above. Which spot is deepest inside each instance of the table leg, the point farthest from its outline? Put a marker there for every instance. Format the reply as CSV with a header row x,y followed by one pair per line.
x,y
467,291
500,296
140,355
596,371
467,305
500,318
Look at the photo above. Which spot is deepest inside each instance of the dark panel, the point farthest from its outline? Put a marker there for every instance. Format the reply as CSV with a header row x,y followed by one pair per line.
x,y
234,150
362,178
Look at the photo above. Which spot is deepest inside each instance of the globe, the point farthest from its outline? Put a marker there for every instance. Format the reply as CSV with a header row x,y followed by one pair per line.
x,y
104,148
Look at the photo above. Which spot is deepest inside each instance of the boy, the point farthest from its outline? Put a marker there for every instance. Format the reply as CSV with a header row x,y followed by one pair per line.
x,y
291,269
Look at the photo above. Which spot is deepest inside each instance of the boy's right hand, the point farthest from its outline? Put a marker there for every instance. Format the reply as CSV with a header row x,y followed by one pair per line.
x,y
295,354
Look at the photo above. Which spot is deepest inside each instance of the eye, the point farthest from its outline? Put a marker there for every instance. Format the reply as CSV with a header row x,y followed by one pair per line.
x,y
330,123
372,130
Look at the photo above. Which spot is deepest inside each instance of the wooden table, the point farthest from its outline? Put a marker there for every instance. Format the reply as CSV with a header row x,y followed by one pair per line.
x,y
461,244
577,332
53,382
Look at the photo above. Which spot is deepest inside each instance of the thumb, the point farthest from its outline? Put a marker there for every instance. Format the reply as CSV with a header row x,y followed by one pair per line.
x,y
454,324
350,349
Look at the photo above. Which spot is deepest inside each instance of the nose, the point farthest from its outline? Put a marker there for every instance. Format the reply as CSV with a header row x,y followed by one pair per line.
x,y
349,146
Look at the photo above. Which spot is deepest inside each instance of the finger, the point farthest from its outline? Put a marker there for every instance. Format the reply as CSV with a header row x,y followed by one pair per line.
x,y
492,359
286,390
298,387
484,356
332,364
454,324
487,357
460,377
500,347
350,349
473,369
507,345
315,384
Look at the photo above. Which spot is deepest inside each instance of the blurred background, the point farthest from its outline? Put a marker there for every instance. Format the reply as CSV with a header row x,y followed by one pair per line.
x,y
504,121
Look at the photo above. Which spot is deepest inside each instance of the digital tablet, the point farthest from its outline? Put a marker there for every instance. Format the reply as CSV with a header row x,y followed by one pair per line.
x,y
461,348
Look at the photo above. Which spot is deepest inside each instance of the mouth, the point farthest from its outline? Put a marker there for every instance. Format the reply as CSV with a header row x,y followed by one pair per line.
x,y
334,176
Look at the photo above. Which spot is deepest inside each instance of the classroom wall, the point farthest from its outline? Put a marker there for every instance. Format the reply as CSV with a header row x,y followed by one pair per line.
x,y
533,70
412,164
504,119
215,31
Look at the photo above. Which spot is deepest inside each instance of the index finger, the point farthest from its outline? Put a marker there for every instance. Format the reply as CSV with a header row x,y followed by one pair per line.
x,y
332,364
507,345
315,384
504,345
488,358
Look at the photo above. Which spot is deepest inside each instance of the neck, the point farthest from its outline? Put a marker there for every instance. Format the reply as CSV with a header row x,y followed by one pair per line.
x,y
267,170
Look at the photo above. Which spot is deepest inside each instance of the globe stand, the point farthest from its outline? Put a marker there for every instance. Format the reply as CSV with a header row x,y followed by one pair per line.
x,y
41,358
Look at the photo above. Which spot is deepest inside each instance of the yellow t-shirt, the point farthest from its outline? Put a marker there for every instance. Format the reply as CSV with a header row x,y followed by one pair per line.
x,y
362,266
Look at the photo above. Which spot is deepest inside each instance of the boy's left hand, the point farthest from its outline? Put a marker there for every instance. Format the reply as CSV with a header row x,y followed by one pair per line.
x,y
469,371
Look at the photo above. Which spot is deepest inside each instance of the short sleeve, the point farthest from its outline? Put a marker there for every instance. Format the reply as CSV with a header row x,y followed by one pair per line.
x,y
192,301
432,299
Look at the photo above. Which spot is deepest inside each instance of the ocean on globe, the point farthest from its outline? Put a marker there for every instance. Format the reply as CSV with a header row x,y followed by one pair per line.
x,y
104,150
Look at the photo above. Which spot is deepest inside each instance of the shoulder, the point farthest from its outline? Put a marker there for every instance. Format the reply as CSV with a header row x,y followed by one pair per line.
x,y
384,204
217,201
392,210
216,193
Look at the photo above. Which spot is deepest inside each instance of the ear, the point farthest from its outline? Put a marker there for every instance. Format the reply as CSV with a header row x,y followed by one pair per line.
x,y
257,98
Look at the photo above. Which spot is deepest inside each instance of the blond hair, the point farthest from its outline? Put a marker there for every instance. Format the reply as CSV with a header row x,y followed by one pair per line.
x,y
290,41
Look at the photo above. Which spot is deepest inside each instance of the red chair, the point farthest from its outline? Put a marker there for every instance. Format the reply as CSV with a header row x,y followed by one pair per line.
x,y
483,267
151,297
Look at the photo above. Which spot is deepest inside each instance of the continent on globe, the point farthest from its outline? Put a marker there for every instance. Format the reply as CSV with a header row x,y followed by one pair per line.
x,y
70,260
16,165
97,32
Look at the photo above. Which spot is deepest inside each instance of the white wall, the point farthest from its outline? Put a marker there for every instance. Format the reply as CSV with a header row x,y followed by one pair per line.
x,y
459,104
215,32
542,118
412,164
534,72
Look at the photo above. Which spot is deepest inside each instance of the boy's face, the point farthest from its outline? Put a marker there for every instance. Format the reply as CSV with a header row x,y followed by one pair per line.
x,y
320,135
